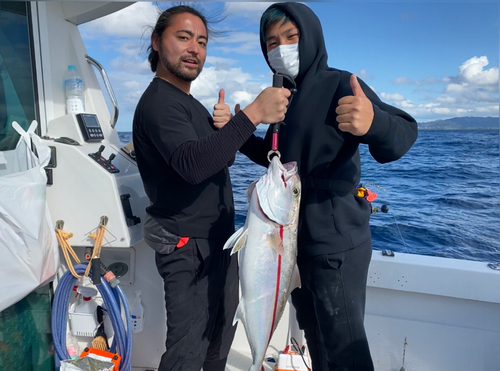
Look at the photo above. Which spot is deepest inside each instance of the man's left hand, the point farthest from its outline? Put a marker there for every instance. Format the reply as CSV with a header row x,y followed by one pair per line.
x,y
222,113
355,112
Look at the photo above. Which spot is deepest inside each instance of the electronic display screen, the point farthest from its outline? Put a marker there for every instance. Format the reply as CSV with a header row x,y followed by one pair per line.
x,y
90,121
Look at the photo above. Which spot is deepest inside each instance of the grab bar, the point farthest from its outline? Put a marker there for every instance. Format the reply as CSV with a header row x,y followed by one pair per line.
x,y
114,117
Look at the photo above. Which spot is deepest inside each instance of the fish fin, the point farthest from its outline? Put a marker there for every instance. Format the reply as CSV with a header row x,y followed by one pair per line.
x,y
250,189
295,279
237,240
275,241
242,240
240,314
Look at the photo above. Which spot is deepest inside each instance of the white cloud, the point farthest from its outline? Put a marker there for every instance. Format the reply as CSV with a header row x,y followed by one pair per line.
x,y
243,97
240,87
473,91
246,43
488,110
219,61
128,88
133,66
434,111
132,21
482,96
441,110
473,80
472,71
456,88
393,97
406,104
131,48
446,99
245,49
408,80
403,80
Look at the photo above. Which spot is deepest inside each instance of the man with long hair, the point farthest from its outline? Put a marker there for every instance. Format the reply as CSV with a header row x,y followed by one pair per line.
x,y
183,159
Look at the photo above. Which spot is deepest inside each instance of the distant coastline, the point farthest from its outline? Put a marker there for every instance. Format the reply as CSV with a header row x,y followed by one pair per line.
x,y
462,123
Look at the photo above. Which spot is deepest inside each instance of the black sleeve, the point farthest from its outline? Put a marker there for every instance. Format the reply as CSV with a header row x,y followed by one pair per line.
x,y
392,132
256,149
197,160
168,124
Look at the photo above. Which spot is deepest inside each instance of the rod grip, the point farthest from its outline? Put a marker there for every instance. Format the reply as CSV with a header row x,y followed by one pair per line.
x,y
275,128
277,81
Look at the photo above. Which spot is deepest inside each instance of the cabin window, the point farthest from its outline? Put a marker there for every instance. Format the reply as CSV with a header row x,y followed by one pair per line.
x,y
17,87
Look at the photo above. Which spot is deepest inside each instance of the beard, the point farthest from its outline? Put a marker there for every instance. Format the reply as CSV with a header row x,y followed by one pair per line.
x,y
180,70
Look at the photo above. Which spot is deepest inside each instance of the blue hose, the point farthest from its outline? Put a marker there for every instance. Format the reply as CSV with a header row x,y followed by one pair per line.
x,y
113,298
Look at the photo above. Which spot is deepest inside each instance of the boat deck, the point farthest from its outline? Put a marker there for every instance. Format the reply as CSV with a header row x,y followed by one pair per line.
x,y
241,361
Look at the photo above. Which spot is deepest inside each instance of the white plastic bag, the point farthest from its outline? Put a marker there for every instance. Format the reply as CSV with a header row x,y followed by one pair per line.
x,y
29,254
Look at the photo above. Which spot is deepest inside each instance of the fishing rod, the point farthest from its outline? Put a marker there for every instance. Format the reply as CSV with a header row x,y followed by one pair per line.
x,y
278,80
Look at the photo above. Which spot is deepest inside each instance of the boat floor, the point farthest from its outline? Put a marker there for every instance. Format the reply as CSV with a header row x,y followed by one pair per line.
x,y
237,361
242,361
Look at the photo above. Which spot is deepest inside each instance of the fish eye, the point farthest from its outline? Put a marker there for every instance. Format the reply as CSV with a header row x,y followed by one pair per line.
x,y
295,191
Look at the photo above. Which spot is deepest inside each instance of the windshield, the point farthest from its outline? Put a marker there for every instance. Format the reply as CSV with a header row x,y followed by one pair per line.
x,y
17,93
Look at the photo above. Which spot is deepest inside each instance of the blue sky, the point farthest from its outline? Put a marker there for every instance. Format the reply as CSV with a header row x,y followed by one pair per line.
x,y
435,60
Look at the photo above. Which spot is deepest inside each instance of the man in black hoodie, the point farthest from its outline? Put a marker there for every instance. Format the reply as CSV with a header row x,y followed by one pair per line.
x,y
331,113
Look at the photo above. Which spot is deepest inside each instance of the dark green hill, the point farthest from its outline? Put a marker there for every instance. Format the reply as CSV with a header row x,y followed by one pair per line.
x,y
461,123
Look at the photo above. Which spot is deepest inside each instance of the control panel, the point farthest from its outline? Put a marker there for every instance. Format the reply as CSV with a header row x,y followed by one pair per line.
x,y
97,157
90,127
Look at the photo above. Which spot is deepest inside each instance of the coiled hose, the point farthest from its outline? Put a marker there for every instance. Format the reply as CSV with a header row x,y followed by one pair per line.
x,y
112,299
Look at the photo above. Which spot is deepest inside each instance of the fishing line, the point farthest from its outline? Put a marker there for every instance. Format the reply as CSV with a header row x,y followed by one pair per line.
x,y
400,235
393,214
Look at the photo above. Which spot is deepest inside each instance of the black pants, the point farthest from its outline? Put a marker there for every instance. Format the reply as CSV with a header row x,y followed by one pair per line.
x,y
201,297
330,309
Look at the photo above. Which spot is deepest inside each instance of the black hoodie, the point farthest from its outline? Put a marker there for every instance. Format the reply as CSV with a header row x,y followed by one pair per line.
x,y
332,218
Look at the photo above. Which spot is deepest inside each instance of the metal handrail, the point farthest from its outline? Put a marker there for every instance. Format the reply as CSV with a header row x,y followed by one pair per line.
x,y
105,78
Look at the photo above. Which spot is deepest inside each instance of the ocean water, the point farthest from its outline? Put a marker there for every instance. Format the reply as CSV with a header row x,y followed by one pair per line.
x,y
443,195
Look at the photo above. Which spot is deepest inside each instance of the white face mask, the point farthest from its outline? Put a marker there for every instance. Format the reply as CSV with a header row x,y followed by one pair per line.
x,y
285,59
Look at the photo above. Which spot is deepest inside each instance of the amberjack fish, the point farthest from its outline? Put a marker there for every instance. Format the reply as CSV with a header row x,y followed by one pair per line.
x,y
267,246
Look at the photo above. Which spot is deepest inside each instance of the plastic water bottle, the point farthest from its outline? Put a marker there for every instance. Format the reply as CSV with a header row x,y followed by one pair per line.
x,y
137,313
75,98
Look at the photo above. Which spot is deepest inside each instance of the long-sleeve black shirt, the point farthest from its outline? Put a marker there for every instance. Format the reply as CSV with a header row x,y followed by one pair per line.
x,y
183,161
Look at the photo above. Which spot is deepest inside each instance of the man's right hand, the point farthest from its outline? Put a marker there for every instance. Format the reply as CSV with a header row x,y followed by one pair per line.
x,y
221,114
269,107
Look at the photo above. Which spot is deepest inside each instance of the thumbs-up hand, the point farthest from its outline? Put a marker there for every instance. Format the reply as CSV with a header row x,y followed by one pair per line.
x,y
355,112
222,113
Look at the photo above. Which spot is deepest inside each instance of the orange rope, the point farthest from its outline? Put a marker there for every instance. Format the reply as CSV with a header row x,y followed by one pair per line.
x,y
96,252
67,249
